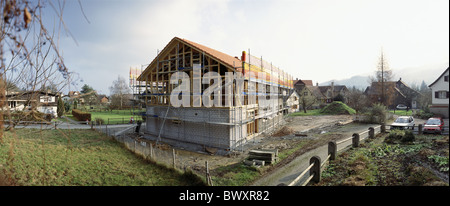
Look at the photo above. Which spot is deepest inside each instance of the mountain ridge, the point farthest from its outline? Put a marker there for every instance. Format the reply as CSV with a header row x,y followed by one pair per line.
x,y
412,76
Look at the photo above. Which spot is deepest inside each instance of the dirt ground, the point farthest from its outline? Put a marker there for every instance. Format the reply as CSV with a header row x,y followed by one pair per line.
x,y
281,139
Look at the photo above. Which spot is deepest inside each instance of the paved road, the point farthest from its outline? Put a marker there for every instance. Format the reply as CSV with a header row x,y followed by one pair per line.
x,y
64,125
293,169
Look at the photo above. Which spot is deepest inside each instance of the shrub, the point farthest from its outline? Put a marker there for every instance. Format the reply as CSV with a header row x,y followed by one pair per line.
x,y
377,114
408,137
99,120
424,114
81,116
394,135
400,136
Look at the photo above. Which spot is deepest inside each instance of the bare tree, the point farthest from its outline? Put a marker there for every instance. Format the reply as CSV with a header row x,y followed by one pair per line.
x,y
357,100
30,58
307,101
383,74
119,91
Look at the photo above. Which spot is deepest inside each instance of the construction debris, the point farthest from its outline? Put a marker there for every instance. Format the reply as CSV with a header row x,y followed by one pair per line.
x,y
268,156
283,131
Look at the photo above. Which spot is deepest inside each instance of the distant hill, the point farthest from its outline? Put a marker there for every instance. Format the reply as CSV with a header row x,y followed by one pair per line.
x,y
360,82
411,76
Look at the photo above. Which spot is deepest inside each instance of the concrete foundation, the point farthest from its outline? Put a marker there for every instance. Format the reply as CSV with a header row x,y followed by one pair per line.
x,y
196,128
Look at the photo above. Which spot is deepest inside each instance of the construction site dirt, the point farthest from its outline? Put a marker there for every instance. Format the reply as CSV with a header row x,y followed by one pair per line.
x,y
298,134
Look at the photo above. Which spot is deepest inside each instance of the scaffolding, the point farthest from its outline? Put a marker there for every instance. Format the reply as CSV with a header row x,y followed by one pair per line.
x,y
224,126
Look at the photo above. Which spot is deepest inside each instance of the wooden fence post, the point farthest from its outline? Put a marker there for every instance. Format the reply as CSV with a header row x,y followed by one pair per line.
x,y
151,151
420,129
371,133
208,176
173,155
332,150
383,128
355,140
315,170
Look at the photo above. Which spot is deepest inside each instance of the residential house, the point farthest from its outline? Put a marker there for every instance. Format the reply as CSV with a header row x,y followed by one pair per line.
x,y
440,95
229,121
44,102
76,95
332,91
395,93
103,99
293,102
309,95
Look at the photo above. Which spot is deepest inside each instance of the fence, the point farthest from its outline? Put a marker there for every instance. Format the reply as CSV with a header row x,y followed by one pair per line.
x,y
316,164
149,150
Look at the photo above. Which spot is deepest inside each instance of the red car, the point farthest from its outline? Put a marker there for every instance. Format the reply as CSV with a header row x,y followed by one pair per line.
x,y
434,125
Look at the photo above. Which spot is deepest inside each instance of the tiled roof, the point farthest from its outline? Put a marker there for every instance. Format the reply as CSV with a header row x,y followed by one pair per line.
x,y
308,82
304,82
219,56
224,58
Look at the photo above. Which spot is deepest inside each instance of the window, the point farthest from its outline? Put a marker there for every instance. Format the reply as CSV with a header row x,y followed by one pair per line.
x,y
441,95
446,78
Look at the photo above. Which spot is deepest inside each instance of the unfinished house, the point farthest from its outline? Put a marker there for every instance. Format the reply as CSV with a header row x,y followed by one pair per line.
x,y
206,108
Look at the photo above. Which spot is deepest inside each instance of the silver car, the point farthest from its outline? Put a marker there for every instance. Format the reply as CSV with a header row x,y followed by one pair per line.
x,y
402,107
403,122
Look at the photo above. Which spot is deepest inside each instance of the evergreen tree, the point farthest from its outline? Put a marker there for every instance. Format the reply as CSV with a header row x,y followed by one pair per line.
x,y
60,107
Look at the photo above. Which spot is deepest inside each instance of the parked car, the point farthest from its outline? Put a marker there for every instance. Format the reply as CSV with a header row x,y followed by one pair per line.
x,y
403,122
402,107
434,125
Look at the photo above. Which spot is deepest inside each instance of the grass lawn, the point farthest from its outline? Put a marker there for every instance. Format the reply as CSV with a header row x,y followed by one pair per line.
x,y
401,112
112,117
77,157
313,112
115,117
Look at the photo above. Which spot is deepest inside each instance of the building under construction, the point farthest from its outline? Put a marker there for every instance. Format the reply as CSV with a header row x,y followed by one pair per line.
x,y
233,119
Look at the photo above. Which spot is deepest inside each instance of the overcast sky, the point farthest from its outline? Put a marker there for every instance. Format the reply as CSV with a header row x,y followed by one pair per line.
x,y
310,39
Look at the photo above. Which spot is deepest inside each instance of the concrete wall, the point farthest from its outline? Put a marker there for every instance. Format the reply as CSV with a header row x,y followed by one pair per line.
x,y
224,128
209,127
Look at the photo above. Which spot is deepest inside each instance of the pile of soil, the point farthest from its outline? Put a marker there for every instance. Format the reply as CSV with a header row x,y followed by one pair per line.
x,y
283,132
337,108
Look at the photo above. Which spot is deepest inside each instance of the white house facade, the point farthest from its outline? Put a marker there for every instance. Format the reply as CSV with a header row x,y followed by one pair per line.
x,y
440,95
46,104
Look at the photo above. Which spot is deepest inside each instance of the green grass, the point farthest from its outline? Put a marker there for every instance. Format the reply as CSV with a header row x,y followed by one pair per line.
x,y
379,163
234,175
115,117
313,112
112,117
334,108
77,157
401,112
337,108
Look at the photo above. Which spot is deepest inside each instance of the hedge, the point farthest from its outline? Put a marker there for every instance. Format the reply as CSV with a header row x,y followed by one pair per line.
x,y
80,115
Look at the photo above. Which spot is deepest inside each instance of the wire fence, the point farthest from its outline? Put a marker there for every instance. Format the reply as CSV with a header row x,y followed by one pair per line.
x,y
132,139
